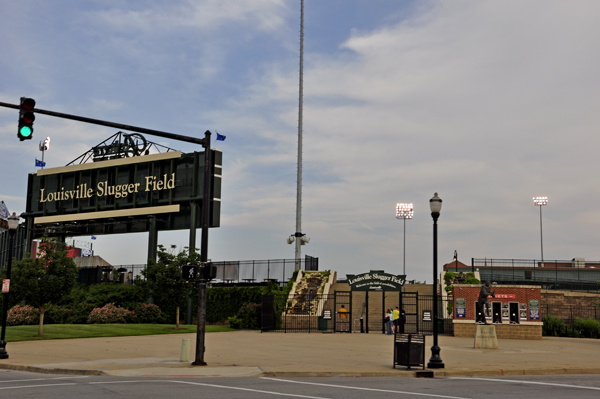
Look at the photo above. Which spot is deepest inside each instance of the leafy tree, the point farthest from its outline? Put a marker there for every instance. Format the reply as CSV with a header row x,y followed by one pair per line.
x,y
163,278
45,280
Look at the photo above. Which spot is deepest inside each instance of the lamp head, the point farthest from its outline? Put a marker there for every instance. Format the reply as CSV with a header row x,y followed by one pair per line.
x,y
13,222
435,204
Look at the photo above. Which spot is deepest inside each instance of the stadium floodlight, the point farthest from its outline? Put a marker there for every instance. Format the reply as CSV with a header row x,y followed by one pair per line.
x,y
404,211
541,201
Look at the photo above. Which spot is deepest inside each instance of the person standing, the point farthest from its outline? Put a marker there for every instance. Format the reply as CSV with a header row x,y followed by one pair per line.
x,y
389,317
343,313
402,321
396,320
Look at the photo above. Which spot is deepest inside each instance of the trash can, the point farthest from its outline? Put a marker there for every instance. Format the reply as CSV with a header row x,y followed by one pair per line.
x,y
409,350
322,323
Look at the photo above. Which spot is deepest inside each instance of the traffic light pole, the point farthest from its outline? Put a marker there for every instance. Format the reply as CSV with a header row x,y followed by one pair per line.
x,y
205,142
152,132
201,324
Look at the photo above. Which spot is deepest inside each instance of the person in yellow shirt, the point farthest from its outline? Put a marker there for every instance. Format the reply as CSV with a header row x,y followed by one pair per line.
x,y
343,313
396,320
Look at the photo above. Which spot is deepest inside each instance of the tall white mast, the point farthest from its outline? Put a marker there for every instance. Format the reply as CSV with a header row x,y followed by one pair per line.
x,y
298,234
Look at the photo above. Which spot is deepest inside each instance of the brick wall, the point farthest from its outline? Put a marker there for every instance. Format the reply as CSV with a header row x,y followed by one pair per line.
x,y
567,298
503,331
504,294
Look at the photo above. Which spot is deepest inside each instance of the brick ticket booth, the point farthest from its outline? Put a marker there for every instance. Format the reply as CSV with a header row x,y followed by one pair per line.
x,y
515,311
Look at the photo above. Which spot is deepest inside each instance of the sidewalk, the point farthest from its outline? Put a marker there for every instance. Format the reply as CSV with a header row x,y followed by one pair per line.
x,y
250,353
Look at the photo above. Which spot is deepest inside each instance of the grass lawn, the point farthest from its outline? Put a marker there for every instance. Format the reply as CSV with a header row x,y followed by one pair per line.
x,y
68,331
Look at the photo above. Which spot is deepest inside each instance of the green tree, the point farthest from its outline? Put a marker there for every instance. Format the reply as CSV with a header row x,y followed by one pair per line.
x,y
45,280
163,278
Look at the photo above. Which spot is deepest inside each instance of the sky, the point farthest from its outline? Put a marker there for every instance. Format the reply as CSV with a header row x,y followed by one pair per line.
x,y
488,103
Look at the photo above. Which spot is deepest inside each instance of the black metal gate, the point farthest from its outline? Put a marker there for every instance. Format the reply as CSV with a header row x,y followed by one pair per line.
x,y
342,320
268,313
409,301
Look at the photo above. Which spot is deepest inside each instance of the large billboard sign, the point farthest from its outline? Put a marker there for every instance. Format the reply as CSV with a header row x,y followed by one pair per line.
x,y
123,195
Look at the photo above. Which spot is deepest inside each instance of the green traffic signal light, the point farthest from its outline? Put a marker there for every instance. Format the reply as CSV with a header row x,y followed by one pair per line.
x,y
25,132
26,118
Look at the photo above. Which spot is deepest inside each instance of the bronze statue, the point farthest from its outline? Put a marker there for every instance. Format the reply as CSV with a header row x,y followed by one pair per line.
x,y
486,290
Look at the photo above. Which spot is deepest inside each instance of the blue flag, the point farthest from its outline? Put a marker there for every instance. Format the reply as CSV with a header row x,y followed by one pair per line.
x,y
39,164
220,137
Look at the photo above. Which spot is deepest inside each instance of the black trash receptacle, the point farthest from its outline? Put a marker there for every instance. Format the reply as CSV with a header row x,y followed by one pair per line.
x,y
409,350
322,323
440,322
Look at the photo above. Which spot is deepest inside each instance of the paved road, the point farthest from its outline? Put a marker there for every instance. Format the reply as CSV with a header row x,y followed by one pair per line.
x,y
14,384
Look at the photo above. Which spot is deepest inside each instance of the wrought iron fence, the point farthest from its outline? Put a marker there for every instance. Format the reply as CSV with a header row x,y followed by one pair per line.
x,y
570,313
249,272
569,275
19,248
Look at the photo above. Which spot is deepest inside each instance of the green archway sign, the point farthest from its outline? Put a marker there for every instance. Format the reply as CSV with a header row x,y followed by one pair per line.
x,y
375,280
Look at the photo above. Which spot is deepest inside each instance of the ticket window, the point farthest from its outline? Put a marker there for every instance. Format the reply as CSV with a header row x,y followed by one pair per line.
x,y
497,312
514,313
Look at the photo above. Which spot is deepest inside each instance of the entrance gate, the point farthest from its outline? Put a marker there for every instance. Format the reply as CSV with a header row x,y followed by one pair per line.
x,y
342,320
364,309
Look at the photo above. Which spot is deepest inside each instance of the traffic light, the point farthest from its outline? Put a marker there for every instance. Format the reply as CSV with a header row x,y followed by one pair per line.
x,y
189,272
26,118
209,271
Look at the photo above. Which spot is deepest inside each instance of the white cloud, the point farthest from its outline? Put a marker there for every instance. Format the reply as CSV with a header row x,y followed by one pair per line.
x,y
488,103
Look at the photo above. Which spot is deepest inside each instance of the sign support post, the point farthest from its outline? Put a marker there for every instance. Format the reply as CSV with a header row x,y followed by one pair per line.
x,y
201,328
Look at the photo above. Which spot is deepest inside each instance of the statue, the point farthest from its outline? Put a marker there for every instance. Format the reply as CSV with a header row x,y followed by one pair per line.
x,y
486,290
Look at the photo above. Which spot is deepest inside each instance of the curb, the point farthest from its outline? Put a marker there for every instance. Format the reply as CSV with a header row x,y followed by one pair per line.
x,y
42,370
420,373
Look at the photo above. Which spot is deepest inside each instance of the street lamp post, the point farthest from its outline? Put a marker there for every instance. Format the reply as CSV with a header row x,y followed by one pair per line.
x,y
435,362
541,201
13,223
404,211
455,261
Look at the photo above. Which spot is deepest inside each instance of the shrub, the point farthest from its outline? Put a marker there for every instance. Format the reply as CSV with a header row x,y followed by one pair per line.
x,y
588,327
127,296
110,314
552,326
147,313
235,322
23,315
57,315
250,313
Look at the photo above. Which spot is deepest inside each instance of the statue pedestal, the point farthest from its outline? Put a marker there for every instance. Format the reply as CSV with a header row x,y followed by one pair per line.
x,y
485,337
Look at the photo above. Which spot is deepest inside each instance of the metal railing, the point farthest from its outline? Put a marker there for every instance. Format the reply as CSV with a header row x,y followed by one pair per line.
x,y
249,272
569,275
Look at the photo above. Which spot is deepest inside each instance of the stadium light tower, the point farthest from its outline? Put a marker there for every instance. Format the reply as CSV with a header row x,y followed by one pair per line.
x,y
404,211
541,201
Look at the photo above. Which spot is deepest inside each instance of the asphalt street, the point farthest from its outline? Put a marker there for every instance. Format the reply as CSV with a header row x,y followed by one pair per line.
x,y
15,384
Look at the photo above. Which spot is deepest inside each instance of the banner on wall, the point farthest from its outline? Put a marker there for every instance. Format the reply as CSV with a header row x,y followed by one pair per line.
x,y
523,311
534,309
505,313
461,308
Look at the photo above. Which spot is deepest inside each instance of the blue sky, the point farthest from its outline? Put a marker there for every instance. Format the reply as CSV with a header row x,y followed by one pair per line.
x,y
487,103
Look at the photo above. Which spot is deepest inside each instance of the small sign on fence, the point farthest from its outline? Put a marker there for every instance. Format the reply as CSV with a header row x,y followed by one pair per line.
x,y
426,315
